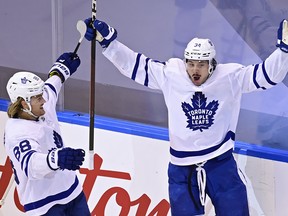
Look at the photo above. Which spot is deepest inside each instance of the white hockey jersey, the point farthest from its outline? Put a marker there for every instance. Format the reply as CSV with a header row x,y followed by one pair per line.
x,y
27,143
202,119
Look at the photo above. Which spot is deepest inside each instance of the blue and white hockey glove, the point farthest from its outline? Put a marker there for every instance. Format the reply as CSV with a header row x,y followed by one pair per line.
x,y
282,41
65,66
65,158
104,33
90,33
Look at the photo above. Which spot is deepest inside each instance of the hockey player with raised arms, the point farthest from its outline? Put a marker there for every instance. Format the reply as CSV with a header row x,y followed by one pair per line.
x,y
203,102
44,168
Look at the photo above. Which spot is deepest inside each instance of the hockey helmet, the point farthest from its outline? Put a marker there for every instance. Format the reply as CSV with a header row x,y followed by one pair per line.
x,y
25,85
202,50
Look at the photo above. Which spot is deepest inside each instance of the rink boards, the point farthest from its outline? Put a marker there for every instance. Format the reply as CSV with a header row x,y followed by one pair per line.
x,y
130,172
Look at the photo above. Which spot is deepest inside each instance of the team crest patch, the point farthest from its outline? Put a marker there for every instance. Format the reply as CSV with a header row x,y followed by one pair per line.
x,y
24,80
200,114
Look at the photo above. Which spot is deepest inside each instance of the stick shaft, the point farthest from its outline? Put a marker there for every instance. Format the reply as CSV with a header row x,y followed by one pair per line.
x,y
92,92
92,95
76,49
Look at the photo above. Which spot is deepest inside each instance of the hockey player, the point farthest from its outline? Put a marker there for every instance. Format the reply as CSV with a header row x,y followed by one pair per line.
x,y
203,101
44,168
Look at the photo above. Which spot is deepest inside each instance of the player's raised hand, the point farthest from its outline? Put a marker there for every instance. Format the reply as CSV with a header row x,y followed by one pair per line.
x,y
65,158
282,41
104,33
65,65
90,31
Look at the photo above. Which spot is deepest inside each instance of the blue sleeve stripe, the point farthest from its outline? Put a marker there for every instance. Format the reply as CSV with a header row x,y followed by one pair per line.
x,y
25,159
255,75
52,198
164,63
27,162
183,154
136,66
146,70
52,88
266,75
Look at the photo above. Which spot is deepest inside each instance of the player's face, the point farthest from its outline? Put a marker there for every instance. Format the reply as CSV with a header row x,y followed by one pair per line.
x,y
37,103
197,71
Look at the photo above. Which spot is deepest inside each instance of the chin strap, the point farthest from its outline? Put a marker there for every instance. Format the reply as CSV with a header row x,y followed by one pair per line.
x,y
29,111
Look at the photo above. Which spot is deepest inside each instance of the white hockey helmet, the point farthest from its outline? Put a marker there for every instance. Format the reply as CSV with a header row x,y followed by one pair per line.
x,y
202,50
25,85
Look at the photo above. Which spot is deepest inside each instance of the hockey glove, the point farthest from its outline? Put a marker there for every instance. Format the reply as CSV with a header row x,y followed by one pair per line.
x,y
90,31
102,31
65,158
282,41
65,66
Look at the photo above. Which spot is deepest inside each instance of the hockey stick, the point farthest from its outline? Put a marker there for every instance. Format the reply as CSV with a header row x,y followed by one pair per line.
x,y
11,182
81,27
92,94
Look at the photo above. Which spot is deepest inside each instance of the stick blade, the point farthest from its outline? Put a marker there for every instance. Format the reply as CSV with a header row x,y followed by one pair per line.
x,y
82,28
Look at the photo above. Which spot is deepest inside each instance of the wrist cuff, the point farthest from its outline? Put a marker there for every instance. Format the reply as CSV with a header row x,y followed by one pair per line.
x,y
62,70
283,47
56,73
52,159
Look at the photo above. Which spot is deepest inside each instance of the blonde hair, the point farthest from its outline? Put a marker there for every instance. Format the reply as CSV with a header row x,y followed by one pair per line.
x,y
15,108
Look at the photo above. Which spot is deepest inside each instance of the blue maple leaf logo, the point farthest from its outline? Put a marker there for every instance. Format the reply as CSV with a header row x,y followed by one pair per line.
x,y
24,80
200,116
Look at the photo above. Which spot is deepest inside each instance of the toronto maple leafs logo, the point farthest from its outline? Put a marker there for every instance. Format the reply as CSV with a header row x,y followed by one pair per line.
x,y
200,115
24,80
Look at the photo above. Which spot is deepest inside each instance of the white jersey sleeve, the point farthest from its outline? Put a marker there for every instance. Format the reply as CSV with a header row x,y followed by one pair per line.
x,y
263,75
136,66
52,88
